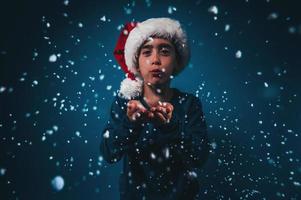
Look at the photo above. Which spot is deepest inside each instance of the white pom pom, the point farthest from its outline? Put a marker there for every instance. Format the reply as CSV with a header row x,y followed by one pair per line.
x,y
130,88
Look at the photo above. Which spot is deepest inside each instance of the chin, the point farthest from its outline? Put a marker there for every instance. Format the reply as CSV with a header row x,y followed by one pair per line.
x,y
158,82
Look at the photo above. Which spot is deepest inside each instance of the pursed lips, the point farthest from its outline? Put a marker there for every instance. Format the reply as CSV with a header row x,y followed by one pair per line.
x,y
157,73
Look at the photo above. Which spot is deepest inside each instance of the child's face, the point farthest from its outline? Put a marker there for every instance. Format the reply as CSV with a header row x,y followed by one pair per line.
x,y
157,61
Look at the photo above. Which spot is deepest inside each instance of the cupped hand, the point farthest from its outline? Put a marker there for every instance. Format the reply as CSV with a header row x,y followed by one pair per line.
x,y
136,111
162,113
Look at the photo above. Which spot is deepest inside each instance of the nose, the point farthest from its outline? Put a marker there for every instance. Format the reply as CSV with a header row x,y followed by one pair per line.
x,y
156,58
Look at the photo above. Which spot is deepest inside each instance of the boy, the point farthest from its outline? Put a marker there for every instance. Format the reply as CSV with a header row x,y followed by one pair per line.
x,y
159,131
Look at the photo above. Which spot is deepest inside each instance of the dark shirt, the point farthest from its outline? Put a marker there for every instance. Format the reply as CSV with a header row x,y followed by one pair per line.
x,y
159,162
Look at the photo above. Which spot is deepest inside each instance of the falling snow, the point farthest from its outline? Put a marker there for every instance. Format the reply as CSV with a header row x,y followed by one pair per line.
x,y
2,89
2,171
52,58
227,27
106,134
80,25
55,105
57,183
213,9
103,18
238,54
171,9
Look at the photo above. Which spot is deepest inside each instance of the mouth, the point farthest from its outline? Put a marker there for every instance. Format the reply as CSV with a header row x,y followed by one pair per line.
x,y
157,73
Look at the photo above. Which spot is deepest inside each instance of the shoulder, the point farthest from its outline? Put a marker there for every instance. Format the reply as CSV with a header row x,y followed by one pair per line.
x,y
189,103
186,98
119,103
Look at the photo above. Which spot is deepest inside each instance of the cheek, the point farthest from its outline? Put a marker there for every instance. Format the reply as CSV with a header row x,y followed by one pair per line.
x,y
170,64
144,62
141,66
144,65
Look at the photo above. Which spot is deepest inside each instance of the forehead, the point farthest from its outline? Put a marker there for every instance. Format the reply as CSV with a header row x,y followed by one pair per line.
x,y
152,41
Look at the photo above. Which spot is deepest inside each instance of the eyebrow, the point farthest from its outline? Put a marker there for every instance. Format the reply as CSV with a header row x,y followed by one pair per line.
x,y
149,46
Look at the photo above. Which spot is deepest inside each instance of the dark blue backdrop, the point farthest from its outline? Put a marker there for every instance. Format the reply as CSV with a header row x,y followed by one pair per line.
x,y
58,78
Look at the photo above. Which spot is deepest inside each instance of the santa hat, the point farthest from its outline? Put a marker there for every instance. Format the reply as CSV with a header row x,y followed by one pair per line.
x,y
130,40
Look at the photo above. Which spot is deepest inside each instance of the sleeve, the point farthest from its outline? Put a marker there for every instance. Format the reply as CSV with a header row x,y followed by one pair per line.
x,y
189,135
119,133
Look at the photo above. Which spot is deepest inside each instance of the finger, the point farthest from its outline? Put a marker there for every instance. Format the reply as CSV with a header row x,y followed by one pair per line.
x,y
153,109
132,109
168,110
143,114
136,116
133,117
129,106
163,109
131,103
163,112
141,107
168,105
169,115
160,117
142,110
150,115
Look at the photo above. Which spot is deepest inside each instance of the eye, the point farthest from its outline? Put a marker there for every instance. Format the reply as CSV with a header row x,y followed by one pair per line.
x,y
146,52
165,51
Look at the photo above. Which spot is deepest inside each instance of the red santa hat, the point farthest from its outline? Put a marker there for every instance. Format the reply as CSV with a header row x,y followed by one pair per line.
x,y
130,40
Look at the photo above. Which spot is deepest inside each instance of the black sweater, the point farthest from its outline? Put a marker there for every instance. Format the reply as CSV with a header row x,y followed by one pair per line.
x,y
159,162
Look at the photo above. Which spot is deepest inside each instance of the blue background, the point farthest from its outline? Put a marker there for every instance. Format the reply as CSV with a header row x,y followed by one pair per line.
x,y
52,113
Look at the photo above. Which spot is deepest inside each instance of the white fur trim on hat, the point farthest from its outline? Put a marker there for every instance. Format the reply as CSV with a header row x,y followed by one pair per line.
x,y
164,27
130,88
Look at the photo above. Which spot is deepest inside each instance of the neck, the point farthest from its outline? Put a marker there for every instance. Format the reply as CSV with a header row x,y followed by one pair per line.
x,y
155,93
